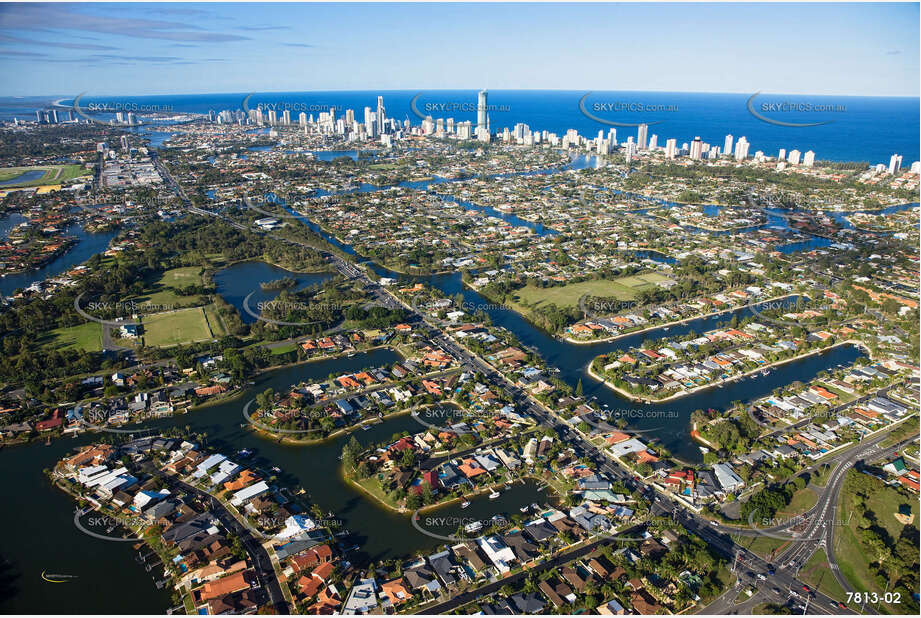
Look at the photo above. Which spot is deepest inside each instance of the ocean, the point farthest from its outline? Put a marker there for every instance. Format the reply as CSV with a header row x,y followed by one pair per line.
x,y
867,129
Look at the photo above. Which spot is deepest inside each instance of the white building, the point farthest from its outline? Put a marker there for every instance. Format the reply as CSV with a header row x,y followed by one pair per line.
x,y
500,554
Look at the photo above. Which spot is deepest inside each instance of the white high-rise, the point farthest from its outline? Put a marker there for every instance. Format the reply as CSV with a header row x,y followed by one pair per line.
x,y
727,145
696,149
481,110
895,163
381,112
741,152
641,136
809,159
793,157
629,150
671,147
653,142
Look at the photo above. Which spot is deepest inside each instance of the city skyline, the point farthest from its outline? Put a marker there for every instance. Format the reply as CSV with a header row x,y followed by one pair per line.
x,y
284,47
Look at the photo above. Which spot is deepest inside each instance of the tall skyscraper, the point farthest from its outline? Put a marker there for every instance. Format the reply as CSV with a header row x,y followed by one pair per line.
x,y
895,163
809,159
697,148
481,110
629,150
793,157
782,155
653,142
727,145
671,147
381,114
612,136
741,149
641,136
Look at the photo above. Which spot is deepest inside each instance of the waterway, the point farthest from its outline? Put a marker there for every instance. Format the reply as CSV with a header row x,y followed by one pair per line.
x,y
87,246
38,519
237,282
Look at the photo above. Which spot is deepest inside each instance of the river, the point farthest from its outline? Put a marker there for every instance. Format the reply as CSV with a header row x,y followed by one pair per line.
x,y
37,521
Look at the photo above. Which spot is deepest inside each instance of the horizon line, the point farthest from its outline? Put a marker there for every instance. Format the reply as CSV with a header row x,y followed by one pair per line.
x,y
420,90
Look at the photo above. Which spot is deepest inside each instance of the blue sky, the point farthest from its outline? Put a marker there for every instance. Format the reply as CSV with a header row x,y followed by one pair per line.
x,y
136,49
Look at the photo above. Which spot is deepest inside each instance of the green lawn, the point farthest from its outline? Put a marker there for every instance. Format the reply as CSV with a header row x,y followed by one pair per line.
x,y
175,327
54,174
907,428
817,573
852,555
283,349
216,322
802,501
159,293
624,288
187,275
763,546
83,337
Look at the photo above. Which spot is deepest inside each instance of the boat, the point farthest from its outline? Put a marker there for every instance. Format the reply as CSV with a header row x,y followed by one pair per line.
x,y
244,452
276,469
365,427
351,355
534,506
465,504
495,494
474,526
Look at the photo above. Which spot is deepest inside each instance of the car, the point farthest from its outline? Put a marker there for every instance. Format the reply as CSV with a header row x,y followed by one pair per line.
x,y
842,605
805,588
713,523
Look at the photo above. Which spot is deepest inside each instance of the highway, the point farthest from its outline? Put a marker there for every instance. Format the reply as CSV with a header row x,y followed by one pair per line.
x,y
775,583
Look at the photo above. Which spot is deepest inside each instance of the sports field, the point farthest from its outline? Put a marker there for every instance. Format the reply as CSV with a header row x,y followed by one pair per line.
x,y
624,288
161,295
83,337
175,327
53,175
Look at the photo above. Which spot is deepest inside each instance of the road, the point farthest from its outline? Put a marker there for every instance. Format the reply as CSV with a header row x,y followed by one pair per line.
x,y
750,568
259,557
